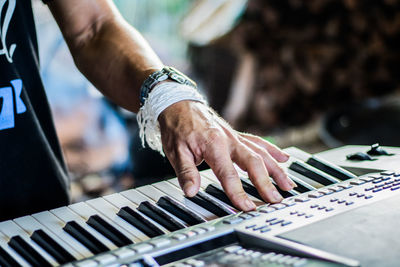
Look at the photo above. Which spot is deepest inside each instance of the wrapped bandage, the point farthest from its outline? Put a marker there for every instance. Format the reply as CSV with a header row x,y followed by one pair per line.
x,y
162,96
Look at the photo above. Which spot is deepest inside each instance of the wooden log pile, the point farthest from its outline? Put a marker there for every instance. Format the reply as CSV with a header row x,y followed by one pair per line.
x,y
312,56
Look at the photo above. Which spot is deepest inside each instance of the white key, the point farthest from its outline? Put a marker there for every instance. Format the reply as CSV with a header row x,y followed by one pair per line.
x,y
177,194
3,244
119,201
55,225
30,225
10,229
85,211
110,211
68,215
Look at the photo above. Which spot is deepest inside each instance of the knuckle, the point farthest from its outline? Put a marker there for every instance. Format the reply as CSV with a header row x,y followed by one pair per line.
x,y
255,159
214,136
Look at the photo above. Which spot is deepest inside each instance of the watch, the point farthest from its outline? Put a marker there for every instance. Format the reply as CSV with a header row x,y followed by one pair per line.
x,y
162,75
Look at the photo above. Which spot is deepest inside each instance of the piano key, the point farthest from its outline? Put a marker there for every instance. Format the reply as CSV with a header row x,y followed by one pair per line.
x,y
6,260
86,238
55,225
211,204
159,215
103,206
137,198
78,225
109,231
23,245
213,190
176,193
27,251
302,186
32,226
87,212
140,222
7,251
120,202
330,168
312,173
53,248
180,211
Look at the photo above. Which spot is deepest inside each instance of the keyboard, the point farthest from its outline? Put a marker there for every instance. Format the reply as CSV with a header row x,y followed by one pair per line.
x,y
157,225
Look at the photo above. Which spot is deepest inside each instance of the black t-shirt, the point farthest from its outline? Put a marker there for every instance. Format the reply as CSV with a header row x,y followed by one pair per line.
x,y
33,175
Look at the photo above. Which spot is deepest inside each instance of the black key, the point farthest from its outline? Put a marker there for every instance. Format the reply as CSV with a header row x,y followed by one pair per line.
x,y
86,238
218,193
140,222
27,252
330,168
180,211
312,173
302,186
6,260
52,247
250,189
160,216
109,231
209,203
284,194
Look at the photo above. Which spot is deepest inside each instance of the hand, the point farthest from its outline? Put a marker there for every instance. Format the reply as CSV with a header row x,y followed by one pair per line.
x,y
192,132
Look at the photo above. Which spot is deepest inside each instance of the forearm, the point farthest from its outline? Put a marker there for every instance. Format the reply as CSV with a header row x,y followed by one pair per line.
x,y
114,57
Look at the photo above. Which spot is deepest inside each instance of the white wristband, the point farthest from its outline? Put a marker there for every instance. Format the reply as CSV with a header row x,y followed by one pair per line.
x,y
162,96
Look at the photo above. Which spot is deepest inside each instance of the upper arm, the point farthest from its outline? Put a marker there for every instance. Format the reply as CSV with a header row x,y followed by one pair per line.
x,y
79,20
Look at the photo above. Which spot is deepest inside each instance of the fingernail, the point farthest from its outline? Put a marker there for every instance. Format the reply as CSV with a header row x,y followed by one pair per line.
x,y
293,184
277,197
188,188
250,204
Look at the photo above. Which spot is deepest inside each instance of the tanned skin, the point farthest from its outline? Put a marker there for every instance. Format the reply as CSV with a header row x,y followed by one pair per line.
x,y
116,59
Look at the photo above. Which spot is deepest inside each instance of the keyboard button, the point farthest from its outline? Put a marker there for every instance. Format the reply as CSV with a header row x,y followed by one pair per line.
x,y
357,182
360,195
124,253
179,237
348,203
368,197
328,209
233,220
142,248
278,206
276,222
286,223
376,190
106,259
315,195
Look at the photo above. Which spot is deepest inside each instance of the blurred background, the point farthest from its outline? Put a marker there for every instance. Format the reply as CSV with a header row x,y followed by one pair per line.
x,y
315,74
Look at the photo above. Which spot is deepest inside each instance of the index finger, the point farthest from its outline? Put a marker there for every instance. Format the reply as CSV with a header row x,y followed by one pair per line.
x,y
218,158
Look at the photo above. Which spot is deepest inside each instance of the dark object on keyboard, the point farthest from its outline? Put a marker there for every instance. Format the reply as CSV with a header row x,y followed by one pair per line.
x,y
376,150
360,156
363,123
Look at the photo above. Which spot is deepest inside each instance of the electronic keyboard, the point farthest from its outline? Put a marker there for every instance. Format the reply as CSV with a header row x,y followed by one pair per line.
x,y
332,218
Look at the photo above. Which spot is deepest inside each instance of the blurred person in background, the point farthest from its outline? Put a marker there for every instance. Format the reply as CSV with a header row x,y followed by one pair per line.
x,y
120,63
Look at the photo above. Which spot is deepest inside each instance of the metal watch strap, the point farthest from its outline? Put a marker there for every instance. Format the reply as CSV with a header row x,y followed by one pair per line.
x,y
162,75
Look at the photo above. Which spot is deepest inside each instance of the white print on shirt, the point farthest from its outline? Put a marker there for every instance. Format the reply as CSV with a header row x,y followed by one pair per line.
x,y
5,22
7,120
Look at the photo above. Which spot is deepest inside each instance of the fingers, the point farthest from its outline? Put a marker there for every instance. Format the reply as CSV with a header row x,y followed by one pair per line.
x,y
273,150
254,165
217,156
276,171
188,175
